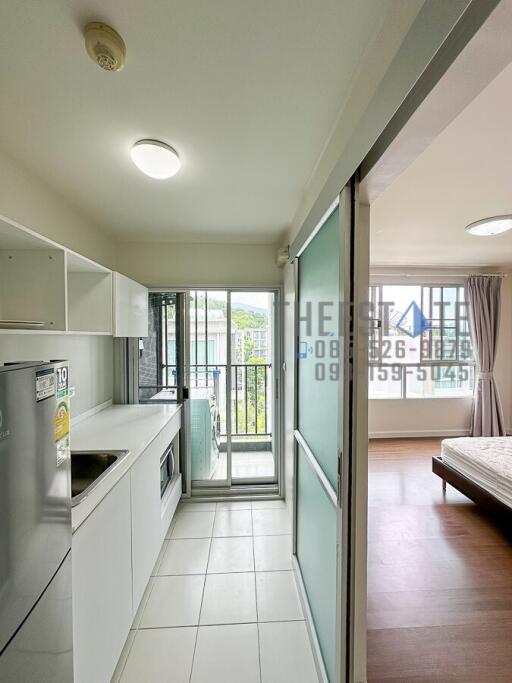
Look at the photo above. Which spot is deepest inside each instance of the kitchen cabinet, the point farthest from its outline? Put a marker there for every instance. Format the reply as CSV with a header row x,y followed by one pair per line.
x,y
102,586
119,531
146,538
32,288
151,515
46,288
130,307
89,296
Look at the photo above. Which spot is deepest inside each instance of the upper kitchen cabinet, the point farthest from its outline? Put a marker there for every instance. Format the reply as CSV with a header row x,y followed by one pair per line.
x,y
130,308
45,287
89,296
32,282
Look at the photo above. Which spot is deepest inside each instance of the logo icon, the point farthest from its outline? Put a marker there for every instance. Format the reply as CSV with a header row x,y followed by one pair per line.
x,y
413,322
304,350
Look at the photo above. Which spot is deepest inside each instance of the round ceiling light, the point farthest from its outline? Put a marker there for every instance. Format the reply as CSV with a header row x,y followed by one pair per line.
x,y
155,159
490,226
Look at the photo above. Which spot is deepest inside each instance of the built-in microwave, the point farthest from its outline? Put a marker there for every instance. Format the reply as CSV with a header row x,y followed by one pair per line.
x,y
167,469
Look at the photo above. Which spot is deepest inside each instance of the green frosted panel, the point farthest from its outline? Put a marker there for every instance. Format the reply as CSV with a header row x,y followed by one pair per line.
x,y
316,553
319,278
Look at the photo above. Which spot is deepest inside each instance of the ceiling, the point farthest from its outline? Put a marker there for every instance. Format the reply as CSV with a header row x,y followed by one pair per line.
x,y
463,176
247,92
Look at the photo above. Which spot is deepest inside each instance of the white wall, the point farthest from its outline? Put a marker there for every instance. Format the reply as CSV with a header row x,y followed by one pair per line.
x,y
90,362
178,264
447,416
26,199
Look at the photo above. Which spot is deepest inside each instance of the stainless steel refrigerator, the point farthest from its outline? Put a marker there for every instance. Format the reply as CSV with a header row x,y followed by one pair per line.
x,y
36,634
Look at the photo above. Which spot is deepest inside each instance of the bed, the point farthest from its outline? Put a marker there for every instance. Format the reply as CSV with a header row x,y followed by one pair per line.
x,y
480,468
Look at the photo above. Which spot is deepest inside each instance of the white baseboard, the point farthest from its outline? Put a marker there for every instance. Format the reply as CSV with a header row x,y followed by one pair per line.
x,y
89,413
418,433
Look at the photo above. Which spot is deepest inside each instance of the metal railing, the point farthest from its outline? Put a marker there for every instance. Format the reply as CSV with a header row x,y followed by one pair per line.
x,y
250,390
251,381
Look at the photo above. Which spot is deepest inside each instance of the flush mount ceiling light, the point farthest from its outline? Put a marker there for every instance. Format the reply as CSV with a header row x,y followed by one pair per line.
x,y
490,226
155,159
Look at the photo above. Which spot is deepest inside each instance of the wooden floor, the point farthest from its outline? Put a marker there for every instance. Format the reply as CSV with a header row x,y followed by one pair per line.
x,y
439,576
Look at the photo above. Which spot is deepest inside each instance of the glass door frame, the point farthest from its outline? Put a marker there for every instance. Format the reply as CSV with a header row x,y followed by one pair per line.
x,y
348,396
254,485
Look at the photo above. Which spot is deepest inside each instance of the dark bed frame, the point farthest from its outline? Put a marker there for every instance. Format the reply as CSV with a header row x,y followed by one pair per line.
x,y
469,488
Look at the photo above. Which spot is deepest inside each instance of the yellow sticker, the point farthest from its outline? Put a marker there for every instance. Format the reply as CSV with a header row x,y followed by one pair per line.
x,y
61,420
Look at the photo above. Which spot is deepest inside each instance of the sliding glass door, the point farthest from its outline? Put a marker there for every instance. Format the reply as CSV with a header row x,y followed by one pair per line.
x,y
323,449
216,351
253,387
234,431
208,372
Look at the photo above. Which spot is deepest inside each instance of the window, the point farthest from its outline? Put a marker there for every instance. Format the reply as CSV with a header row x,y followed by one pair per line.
x,y
419,344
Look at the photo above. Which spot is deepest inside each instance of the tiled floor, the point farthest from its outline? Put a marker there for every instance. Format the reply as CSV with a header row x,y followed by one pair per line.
x,y
222,606
246,465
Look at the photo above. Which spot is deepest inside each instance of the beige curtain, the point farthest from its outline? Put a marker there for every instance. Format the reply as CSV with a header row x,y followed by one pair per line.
x,y
483,294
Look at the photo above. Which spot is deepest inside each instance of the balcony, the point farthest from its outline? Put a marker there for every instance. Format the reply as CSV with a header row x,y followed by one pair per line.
x,y
250,408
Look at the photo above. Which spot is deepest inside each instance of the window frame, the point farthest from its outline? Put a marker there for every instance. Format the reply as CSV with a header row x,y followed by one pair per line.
x,y
375,338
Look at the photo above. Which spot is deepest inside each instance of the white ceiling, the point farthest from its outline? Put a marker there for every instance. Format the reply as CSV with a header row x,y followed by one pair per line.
x,y
247,92
463,176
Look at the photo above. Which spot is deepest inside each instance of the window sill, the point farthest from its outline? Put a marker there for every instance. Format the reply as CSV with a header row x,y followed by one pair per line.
x,y
468,397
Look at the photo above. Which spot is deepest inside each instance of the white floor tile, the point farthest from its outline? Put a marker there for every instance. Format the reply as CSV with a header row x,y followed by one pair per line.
x,y
268,505
226,654
285,653
197,507
173,601
271,522
229,599
231,555
185,556
234,505
273,553
160,656
277,596
233,523
193,525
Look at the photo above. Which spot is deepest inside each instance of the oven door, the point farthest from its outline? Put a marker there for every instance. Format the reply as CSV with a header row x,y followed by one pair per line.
x,y
166,469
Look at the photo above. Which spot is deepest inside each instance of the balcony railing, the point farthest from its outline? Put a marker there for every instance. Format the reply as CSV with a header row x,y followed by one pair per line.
x,y
250,388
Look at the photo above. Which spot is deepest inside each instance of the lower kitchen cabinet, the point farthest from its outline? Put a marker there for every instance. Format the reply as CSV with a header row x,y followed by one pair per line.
x,y
146,524
102,586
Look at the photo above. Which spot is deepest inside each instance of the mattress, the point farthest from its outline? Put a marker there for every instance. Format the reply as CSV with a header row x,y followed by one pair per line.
x,y
485,460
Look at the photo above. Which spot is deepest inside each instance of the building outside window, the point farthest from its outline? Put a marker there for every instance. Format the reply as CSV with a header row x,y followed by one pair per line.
x,y
419,344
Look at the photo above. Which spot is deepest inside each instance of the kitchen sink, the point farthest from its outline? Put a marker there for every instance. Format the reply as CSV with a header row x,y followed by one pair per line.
x,y
88,468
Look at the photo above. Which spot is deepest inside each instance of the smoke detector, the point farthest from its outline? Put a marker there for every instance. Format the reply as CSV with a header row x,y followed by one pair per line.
x,y
104,46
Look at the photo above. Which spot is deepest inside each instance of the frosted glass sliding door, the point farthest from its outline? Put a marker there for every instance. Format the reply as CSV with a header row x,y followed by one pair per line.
x,y
323,276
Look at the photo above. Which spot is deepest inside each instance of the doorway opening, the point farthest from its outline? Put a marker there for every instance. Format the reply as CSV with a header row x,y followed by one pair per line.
x,y
217,351
436,558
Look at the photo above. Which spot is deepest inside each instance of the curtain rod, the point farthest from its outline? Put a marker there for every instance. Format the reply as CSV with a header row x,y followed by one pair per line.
x,y
376,274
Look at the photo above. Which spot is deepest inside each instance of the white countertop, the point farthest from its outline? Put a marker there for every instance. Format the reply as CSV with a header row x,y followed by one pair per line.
x,y
120,427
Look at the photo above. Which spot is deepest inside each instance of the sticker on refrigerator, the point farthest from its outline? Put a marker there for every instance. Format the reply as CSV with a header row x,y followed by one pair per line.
x,y
45,384
61,420
62,382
